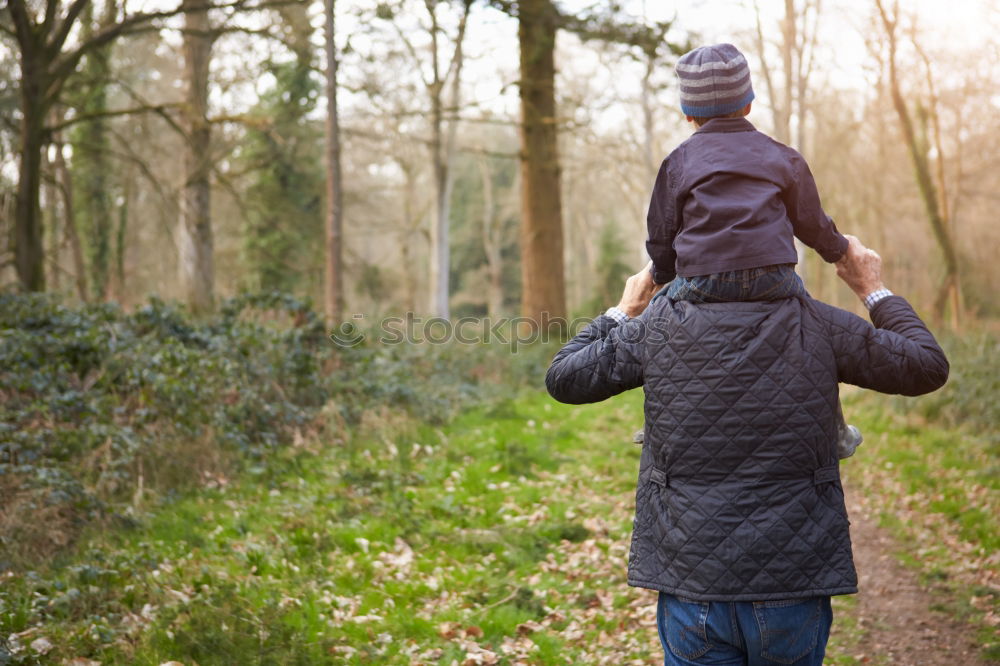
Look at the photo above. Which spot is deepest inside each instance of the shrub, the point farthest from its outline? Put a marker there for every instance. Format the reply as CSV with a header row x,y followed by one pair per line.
x,y
102,408
969,399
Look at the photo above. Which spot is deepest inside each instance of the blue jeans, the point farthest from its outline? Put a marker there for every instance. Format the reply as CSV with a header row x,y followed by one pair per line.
x,y
743,633
767,283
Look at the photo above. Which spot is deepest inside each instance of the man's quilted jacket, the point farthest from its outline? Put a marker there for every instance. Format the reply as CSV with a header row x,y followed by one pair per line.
x,y
739,494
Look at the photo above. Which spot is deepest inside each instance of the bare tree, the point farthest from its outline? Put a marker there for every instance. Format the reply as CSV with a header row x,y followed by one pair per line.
x,y
46,63
334,287
789,102
194,231
443,151
934,203
62,182
440,78
442,147
492,233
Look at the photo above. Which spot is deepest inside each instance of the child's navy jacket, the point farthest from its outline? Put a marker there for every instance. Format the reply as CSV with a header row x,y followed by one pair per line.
x,y
731,198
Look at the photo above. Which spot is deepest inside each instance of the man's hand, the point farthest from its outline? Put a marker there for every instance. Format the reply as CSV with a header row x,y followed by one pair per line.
x,y
639,290
860,268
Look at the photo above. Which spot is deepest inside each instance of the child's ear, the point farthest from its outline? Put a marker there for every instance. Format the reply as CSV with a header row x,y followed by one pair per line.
x,y
690,119
746,109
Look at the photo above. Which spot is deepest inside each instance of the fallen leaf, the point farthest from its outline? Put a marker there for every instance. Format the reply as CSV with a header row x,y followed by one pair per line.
x,y
180,596
41,645
448,630
529,627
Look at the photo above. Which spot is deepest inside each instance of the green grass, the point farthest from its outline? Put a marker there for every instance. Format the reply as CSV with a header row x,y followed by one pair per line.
x,y
505,530
405,546
846,633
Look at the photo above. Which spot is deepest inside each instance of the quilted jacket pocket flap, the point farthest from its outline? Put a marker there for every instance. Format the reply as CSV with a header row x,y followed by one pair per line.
x,y
827,474
658,476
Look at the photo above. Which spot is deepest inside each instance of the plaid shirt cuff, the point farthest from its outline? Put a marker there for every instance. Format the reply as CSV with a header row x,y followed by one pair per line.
x,y
617,314
876,296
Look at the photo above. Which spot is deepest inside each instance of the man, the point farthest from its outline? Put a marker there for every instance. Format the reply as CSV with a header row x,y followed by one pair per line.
x,y
740,519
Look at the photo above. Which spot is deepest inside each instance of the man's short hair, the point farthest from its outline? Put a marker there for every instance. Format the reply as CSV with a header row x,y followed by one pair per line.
x,y
701,121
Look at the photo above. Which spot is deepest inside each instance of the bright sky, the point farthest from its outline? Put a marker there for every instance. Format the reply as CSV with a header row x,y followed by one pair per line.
x,y
492,51
963,23
491,44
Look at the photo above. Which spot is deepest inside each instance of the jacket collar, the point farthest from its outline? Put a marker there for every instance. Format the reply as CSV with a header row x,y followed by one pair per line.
x,y
726,125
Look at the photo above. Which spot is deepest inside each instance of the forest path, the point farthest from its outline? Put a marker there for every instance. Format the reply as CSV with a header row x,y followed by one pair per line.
x,y
895,621
891,621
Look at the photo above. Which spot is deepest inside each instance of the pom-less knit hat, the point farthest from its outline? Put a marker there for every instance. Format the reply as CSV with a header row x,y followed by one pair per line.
x,y
715,81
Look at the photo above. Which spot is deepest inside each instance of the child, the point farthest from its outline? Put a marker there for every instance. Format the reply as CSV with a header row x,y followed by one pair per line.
x,y
728,200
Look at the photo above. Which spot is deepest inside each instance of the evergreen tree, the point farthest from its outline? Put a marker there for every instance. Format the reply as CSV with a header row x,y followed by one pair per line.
x,y
285,218
90,168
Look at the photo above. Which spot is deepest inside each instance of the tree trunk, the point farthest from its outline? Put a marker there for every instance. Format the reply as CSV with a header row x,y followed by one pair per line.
x,y
119,258
195,229
334,288
649,108
543,282
788,53
442,150
50,195
90,167
439,266
411,228
29,255
65,184
951,286
492,242
788,36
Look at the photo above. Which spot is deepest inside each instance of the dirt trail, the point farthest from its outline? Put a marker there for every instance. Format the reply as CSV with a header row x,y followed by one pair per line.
x,y
894,609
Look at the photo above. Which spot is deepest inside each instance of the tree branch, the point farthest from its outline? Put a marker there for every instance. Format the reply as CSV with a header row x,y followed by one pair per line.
x,y
54,45
159,110
611,28
22,25
169,198
459,38
85,117
413,53
453,116
485,152
64,65
127,153
943,201
50,15
257,32
809,49
245,119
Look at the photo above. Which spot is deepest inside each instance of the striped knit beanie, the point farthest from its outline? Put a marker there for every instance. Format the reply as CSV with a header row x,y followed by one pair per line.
x,y
715,81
